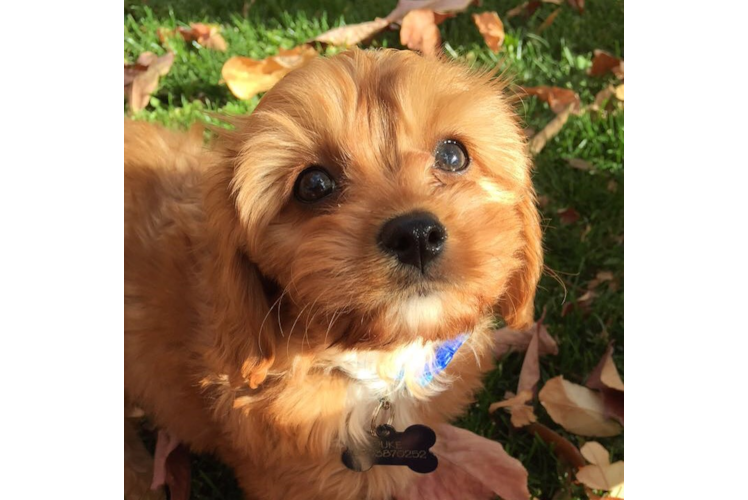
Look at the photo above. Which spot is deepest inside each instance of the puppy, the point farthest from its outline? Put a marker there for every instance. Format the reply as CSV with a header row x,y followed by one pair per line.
x,y
312,265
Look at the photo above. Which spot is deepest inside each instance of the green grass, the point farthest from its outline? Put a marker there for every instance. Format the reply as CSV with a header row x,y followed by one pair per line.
x,y
560,57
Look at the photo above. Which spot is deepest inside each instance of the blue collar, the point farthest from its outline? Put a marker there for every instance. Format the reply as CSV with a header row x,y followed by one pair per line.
x,y
442,357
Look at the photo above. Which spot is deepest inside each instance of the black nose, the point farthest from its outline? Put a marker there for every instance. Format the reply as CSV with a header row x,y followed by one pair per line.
x,y
415,239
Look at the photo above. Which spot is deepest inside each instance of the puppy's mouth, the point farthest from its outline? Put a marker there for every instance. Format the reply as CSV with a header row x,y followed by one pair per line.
x,y
411,281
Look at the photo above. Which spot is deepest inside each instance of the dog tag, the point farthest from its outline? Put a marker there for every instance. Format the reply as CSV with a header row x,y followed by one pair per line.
x,y
409,448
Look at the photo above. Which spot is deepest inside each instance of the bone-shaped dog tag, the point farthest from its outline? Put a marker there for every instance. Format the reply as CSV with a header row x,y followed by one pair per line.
x,y
409,448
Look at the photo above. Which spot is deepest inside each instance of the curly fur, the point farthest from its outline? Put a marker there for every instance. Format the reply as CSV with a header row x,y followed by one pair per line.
x,y
263,330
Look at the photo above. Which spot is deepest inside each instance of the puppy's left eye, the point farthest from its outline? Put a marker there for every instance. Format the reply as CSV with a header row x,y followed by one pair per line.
x,y
451,156
313,184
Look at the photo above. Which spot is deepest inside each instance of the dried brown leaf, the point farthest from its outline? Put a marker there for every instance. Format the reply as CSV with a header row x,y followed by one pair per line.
x,y
141,78
584,303
530,372
522,413
586,232
171,467
603,62
605,378
206,35
483,460
507,340
526,8
577,409
492,29
619,92
352,34
558,99
548,21
247,77
471,467
567,215
601,277
605,374
604,100
419,32
562,447
616,493
579,164
539,140
440,6
578,5
601,475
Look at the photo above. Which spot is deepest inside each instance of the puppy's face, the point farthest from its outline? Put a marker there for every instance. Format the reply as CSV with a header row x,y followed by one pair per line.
x,y
388,195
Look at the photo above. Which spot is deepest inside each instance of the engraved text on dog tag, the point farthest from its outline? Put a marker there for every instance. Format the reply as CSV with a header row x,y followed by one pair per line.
x,y
409,448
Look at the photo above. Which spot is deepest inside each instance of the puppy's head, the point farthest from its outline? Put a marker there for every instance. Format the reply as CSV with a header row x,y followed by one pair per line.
x,y
388,196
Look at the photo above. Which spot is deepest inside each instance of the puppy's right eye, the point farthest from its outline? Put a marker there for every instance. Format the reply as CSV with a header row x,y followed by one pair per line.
x,y
313,184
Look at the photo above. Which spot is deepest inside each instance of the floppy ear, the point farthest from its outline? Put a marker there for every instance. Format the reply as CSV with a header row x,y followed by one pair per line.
x,y
243,342
517,303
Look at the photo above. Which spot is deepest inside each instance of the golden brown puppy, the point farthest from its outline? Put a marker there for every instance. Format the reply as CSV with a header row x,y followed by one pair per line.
x,y
372,207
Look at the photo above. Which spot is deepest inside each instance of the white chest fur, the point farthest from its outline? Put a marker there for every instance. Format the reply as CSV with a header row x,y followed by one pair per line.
x,y
396,376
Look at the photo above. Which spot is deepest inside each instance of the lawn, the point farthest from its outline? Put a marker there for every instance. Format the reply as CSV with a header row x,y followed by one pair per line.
x,y
575,251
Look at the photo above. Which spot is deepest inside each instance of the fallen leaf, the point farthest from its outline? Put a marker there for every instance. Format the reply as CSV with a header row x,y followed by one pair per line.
x,y
619,92
206,35
567,215
247,77
605,374
603,62
447,482
529,8
538,142
419,32
440,17
586,232
601,475
164,33
577,409
605,378
604,100
522,414
530,372
612,186
600,277
548,21
471,467
557,98
171,466
352,34
492,29
584,303
579,164
578,5
440,6
141,78
562,447
543,201
616,492
507,340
